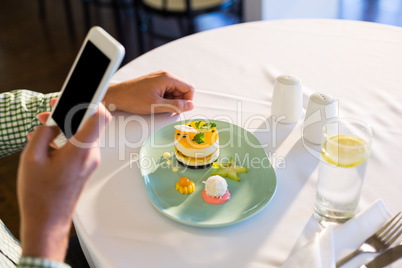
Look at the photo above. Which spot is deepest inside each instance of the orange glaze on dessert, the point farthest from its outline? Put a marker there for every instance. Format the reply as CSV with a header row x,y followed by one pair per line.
x,y
187,138
215,200
185,186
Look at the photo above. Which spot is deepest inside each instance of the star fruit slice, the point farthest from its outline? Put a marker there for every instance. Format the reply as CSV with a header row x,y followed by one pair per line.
x,y
228,169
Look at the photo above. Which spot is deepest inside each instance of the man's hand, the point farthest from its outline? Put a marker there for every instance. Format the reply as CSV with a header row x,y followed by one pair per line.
x,y
50,183
163,90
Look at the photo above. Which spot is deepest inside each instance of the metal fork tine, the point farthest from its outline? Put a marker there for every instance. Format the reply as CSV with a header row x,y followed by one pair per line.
x,y
393,229
387,224
390,231
387,232
395,236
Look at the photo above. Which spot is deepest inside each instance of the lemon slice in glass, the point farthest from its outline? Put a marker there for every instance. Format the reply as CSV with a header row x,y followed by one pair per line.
x,y
344,151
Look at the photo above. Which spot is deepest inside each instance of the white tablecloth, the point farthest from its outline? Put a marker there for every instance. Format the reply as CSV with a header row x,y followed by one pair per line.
x,y
233,70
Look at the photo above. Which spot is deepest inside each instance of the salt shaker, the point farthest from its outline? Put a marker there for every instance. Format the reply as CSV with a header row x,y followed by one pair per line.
x,y
287,100
320,108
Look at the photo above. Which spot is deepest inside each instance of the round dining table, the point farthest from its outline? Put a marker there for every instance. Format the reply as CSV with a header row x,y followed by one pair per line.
x,y
233,70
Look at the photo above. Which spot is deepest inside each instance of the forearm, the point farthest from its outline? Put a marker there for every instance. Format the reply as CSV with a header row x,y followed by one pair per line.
x,y
45,228
18,117
40,239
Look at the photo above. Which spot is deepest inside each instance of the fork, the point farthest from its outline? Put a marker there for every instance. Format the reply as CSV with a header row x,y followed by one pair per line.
x,y
379,241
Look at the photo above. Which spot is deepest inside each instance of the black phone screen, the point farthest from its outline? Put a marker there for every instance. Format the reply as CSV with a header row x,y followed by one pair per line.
x,y
80,89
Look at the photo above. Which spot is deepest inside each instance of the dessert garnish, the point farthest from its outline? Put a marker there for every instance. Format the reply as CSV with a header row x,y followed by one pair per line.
x,y
206,126
186,128
175,169
228,169
199,138
185,186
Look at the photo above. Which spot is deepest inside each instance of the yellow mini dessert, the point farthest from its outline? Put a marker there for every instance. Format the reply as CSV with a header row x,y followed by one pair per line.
x,y
185,186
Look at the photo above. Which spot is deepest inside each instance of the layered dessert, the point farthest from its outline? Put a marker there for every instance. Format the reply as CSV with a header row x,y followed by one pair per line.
x,y
196,144
216,190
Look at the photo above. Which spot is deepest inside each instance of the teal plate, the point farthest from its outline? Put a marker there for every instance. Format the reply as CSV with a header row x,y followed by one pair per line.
x,y
255,189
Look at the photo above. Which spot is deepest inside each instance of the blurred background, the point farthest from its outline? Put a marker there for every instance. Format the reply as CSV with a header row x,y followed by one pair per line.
x,y
39,40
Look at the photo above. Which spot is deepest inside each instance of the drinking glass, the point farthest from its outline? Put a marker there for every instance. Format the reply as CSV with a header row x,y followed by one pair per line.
x,y
345,149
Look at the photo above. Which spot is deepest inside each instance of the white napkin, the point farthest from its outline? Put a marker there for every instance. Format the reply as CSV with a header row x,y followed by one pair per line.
x,y
335,242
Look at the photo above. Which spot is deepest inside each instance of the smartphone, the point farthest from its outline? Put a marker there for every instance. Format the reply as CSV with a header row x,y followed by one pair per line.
x,y
87,81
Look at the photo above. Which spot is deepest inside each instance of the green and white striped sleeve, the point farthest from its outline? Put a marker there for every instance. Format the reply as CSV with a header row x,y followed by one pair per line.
x,y
10,249
32,262
18,116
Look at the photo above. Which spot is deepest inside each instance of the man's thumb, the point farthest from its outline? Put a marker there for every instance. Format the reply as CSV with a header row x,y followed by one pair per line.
x,y
92,128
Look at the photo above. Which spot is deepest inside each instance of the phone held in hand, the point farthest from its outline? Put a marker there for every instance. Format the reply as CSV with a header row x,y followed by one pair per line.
x,y
87,81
